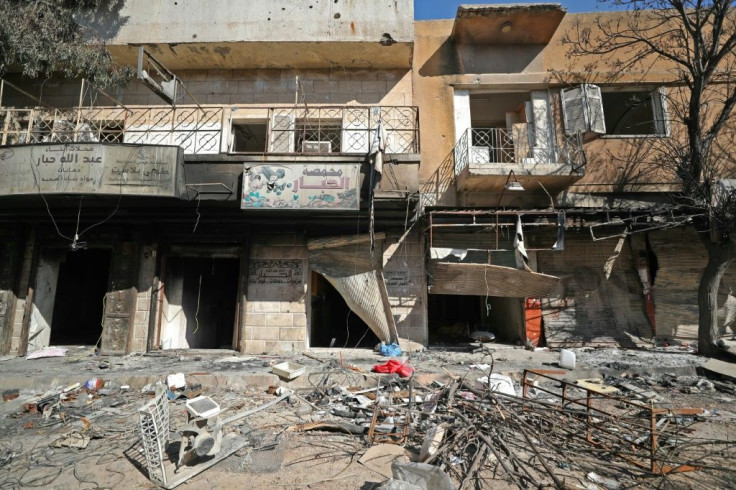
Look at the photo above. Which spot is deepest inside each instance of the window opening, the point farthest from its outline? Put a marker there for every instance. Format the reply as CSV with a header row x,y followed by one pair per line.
x,y
633,113
318,135
249,137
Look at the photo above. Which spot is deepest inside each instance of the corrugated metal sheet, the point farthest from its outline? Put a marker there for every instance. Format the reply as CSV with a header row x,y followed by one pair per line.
x,y
681,258
489,280
366,295
589,308
356,274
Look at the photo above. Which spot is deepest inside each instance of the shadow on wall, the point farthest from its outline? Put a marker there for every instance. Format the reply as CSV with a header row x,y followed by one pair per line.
x,y
272,86
440,189
105,21
452,59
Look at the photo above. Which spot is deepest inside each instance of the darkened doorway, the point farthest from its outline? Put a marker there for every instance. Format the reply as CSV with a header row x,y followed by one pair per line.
x,y
333,323
80,292
209,290
452,318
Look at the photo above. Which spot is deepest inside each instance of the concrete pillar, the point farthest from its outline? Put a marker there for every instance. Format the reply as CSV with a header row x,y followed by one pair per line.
x,y
461,105
275,318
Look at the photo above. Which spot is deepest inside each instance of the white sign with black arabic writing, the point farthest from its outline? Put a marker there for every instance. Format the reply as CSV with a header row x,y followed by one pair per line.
x,y
90,168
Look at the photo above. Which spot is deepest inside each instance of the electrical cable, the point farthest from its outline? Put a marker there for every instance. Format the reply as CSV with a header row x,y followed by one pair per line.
x,y
196,210
196,313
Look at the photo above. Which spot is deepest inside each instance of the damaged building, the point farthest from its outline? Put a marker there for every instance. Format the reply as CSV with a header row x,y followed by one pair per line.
x,y
546,217
258,187
248,190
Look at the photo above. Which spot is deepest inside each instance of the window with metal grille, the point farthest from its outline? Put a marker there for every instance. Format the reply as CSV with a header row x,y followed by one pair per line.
x,y
318,136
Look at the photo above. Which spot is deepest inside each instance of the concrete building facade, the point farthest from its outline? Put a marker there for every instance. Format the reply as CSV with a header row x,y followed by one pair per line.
x,y
258,187
510,154
249,191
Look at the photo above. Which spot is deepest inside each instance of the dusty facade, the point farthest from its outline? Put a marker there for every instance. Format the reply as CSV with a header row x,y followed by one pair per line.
x,y
496,84
189,226
241,217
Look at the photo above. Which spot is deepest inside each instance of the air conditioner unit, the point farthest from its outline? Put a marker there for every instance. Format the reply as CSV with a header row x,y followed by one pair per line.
x,y
317,147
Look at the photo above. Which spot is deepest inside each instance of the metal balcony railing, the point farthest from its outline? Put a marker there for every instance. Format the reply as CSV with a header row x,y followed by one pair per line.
x,y
347,129
520,145
207,130
194,129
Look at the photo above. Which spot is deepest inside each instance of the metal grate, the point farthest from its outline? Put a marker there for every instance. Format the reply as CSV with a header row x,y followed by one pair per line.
x,y
495,146
349,130
154,426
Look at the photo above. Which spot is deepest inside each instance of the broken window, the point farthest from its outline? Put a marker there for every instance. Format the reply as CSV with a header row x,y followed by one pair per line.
x,y
582,110
248,137
635,113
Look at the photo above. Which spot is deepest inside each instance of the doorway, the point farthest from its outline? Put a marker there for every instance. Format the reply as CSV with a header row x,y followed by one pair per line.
x,y
333,323
201,298
452,318
80,294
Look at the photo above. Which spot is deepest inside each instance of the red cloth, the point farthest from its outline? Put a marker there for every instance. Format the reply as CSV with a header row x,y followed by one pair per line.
x,y
394,366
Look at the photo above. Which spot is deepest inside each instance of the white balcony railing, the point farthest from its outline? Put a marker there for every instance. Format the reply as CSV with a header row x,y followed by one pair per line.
x,y
207,130
519,146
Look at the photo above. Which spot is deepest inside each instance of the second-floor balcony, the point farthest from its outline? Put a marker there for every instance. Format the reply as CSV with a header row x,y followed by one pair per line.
x,y
484,158
208,130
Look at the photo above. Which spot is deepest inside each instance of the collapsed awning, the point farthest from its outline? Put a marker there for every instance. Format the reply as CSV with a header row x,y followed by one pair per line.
x,y
348,264
490,280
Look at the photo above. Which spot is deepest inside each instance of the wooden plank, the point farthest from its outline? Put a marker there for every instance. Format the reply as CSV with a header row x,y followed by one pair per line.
x,y
490,280
341,241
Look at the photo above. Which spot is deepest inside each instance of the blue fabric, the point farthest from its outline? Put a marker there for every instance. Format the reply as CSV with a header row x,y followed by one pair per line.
x,y
390,350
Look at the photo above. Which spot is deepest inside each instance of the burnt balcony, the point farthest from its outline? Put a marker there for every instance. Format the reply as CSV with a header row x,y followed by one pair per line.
x,y
209,130
485,158
215,150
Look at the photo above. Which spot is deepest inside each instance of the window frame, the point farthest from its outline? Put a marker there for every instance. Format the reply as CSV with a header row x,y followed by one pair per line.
x,y
658,99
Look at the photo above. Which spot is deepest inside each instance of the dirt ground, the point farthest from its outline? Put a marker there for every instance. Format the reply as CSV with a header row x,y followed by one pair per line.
x,y
280,453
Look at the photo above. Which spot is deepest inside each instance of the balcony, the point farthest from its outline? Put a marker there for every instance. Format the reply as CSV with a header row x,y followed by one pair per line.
x,y
321,151
209,130
485,159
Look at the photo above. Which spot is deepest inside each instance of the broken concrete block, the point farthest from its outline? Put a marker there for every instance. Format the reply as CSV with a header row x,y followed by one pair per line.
x,y
639,392
380,457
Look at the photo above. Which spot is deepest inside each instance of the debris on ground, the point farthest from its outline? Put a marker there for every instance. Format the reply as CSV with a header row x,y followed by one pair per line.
x,y
47,352
467,426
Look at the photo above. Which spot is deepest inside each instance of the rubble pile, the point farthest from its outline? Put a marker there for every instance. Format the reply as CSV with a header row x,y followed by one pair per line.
x,y
401,427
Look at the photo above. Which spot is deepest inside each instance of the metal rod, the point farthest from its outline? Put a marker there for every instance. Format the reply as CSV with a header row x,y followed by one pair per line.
x,y
32,97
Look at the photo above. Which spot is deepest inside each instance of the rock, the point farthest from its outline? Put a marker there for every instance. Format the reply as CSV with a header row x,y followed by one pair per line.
x,y
705,385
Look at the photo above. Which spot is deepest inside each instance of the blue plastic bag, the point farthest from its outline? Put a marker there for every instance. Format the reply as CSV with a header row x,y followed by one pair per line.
x,y
390,350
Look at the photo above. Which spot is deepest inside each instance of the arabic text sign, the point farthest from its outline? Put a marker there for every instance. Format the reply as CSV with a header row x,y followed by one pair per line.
x,y
90,168
275,272
301,186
